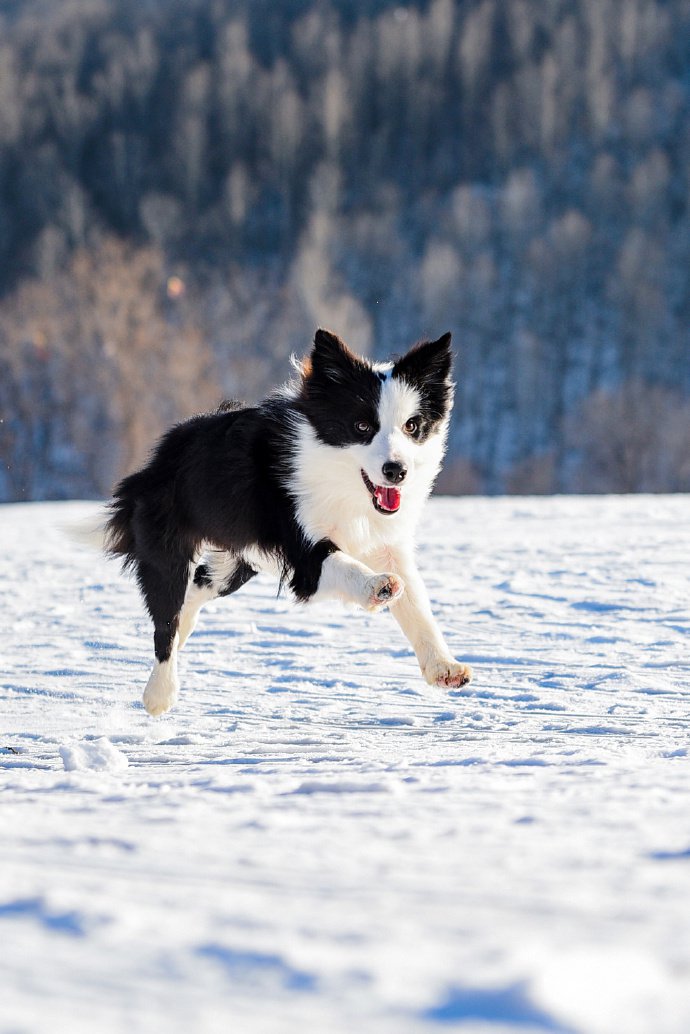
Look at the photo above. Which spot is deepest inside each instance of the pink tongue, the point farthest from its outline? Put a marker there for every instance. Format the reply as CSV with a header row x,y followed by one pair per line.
x,y
388,498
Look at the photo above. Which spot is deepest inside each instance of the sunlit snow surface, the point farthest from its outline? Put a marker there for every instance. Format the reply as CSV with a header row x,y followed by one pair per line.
x,y
316,841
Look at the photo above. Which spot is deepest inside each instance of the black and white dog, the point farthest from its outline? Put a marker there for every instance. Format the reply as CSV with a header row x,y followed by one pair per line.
x,y
321,484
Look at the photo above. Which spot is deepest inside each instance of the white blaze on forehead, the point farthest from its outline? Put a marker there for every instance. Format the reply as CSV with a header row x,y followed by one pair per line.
x,y
399,401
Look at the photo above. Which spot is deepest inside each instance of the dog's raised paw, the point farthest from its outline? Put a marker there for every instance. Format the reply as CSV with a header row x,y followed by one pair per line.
x,y
382,590
449,674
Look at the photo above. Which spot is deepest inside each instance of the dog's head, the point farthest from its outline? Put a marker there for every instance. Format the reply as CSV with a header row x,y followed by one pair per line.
x,y
390,419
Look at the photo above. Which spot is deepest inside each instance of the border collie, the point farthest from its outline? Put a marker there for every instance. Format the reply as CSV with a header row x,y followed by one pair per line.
x,y
321,484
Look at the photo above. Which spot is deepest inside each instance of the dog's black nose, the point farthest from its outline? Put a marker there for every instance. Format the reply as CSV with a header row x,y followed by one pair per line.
x,y
394,472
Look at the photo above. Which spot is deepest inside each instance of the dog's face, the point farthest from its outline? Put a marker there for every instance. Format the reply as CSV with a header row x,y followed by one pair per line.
x,y
386,421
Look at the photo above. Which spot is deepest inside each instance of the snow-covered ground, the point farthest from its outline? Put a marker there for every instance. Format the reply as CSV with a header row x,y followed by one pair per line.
x,y
316,842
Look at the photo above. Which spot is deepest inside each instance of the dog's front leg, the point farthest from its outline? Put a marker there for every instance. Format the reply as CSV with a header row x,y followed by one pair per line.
x,y
341,577
414,615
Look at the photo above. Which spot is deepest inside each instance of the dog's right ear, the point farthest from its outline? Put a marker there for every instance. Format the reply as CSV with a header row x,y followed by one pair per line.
x,y
331,358
427,360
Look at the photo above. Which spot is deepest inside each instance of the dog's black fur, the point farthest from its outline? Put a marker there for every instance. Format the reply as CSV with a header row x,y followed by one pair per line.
x,y
221,478
217,478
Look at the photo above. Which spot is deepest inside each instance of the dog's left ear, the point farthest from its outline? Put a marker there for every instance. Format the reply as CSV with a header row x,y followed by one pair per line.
x,y
429,360
331,358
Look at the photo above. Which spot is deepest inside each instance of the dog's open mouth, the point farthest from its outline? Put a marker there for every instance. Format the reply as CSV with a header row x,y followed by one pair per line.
x,y
386,499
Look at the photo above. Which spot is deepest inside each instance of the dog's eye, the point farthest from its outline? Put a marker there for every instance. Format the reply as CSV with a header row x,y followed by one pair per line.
x,y
412,426
362,427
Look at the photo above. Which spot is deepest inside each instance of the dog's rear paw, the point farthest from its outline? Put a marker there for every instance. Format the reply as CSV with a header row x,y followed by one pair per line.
x,y
383,589
161,689
450,674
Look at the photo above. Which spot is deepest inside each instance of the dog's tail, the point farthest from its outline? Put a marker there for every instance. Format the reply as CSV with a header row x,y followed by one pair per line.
x,y
109,530
118,530
89,531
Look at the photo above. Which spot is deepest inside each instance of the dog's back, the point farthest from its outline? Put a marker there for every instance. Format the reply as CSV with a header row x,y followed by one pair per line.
x,y
195,478
321,484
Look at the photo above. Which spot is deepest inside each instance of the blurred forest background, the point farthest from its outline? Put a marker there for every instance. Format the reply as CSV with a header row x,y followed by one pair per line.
x,y
189,187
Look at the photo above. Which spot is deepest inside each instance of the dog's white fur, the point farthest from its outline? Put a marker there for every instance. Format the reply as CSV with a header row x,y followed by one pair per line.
x,y
376,564
163,686
327,485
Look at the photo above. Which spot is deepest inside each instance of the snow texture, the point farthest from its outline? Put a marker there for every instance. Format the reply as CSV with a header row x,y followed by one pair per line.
x,y
99,755
316,841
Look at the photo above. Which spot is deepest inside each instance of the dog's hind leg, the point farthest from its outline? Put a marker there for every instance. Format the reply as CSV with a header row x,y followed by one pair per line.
x,y
164,590
220,575
200,590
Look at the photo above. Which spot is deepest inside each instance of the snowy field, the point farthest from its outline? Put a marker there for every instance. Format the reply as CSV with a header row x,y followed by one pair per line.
x,y
316,842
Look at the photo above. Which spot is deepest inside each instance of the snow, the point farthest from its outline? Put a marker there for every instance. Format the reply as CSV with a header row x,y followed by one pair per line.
x,y
99,754
316,841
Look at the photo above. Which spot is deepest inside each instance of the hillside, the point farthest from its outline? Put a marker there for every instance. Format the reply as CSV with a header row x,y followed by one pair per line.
x,y
188,189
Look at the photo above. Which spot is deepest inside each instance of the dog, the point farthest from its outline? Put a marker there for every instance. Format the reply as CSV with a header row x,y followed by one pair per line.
x,y
322,484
